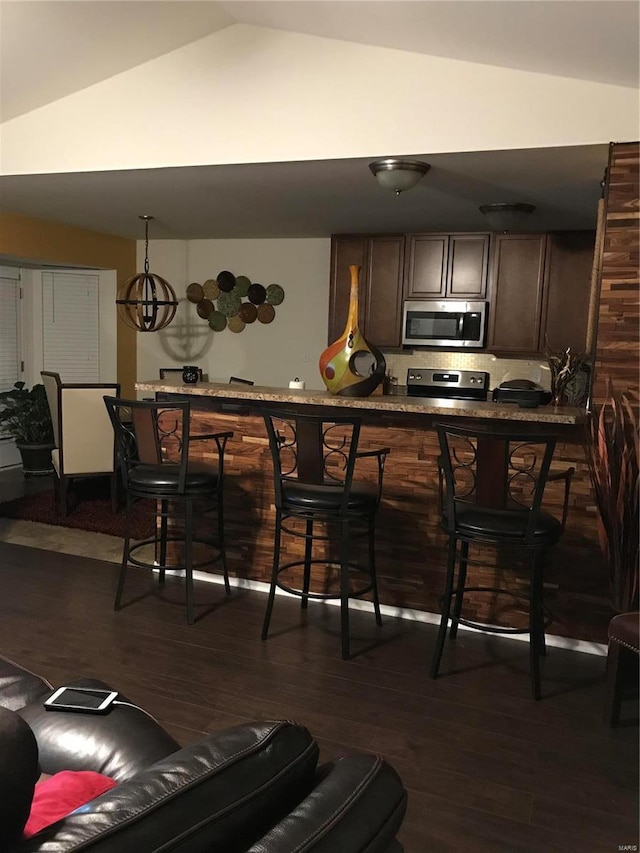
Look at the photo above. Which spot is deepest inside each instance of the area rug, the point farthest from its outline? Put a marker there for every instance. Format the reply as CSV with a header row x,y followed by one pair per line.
x,y
90,510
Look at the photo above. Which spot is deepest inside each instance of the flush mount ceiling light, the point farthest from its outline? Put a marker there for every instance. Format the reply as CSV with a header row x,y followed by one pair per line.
x,y
505,216
399,175
146,302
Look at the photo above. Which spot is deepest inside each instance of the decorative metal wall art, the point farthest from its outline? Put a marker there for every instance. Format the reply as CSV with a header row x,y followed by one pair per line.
x,y
233,302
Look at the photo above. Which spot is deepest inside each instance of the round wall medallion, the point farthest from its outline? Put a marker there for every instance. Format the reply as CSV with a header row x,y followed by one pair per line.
x,y
226,281
205,308
266,313
217,321
275,294
247,312
242,285
195,293
229,304
257,294
211,289
235,324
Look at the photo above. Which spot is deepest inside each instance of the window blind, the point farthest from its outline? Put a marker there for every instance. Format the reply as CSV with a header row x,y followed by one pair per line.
x,y
9,332
70,325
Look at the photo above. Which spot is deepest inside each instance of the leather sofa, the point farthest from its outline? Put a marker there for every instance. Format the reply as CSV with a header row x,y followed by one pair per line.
x,y
256,787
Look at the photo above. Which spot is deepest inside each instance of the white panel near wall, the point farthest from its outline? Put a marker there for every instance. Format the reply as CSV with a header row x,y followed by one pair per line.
x,y
70,325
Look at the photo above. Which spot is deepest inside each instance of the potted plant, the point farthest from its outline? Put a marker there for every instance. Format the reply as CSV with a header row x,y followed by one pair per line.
x,y
25,415
612,450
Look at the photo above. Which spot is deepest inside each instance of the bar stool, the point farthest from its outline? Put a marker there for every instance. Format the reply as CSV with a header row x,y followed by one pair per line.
x,y
153,441
492,486
314,457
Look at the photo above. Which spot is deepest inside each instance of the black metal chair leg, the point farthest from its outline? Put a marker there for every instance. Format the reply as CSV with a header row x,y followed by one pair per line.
x,y
344,589
221,540
534,626
162,555
446,607
462,579
274,576
125,555
188,559
306,579
372,571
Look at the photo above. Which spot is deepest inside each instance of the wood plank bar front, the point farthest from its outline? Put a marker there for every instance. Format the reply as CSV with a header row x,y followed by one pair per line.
x,y
410,544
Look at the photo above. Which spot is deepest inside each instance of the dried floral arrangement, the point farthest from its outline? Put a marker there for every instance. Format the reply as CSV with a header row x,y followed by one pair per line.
x,y
613,461
564,366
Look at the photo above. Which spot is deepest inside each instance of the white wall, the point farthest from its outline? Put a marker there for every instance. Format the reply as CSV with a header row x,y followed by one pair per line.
x,y
250,94
268,354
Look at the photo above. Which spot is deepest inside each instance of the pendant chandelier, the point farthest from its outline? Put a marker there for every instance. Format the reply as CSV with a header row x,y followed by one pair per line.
x,y
146,302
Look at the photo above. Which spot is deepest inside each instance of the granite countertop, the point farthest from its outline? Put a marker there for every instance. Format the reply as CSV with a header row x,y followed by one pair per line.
x,y
390,403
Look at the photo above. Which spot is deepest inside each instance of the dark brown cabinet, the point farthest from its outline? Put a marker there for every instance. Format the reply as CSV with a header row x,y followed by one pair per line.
x,y
381,262
539,292
447,265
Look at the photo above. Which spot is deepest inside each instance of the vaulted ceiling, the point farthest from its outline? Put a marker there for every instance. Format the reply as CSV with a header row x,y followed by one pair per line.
x,y
51,49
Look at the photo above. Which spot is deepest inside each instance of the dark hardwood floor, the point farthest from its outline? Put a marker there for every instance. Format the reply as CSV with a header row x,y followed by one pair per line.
x,y
487,768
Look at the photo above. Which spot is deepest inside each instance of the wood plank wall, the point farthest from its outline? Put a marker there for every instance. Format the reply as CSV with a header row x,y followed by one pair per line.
x,y
618,340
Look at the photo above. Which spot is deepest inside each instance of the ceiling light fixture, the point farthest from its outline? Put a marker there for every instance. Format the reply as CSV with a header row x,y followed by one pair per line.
x,y
505,216
399,175
146,302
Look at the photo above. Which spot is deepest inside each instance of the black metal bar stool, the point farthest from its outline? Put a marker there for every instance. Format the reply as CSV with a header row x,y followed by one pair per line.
x,y
492,487
153,441
314,457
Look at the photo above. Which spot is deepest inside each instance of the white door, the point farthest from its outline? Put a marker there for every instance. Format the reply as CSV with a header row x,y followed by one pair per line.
x,y
10,350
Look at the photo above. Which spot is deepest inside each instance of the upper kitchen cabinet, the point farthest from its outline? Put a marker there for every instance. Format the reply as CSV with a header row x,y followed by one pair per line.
x,y
540,288
381,262
447,266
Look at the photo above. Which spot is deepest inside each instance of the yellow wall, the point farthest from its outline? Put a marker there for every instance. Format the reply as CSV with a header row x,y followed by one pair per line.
x,y
23,238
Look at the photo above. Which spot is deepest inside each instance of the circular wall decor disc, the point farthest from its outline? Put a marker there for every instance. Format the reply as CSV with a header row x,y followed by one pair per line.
x,y
205,308
242,285
226,281
257,294
229,304
195,293
217,321
266,313
235,324
275,294
247,312
211,289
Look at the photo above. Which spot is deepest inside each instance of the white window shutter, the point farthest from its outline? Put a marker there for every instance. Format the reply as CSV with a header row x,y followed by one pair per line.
x,y
9,332
70,325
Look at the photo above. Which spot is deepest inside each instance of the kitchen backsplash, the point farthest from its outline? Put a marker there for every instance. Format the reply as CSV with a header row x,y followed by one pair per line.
x,y
500,369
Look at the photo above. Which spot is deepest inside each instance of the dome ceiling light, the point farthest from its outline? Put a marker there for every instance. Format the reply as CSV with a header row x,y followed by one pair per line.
x,y
507,216
397,174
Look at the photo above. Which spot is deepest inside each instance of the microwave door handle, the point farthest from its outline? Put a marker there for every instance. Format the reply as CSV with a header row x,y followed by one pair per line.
x,y
461,326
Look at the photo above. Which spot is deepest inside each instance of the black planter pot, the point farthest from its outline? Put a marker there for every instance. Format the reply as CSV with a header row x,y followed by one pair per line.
x,y
36,459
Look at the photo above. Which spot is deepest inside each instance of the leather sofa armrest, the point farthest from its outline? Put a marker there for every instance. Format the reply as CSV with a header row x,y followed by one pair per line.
x,y
220,794
118,744
19,686
358,805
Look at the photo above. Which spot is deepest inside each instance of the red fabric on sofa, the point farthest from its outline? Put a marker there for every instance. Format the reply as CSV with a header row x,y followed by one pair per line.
x,y
61,794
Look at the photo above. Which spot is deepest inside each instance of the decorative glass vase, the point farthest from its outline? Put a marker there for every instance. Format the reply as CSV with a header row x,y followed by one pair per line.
x,y
190,374
352,367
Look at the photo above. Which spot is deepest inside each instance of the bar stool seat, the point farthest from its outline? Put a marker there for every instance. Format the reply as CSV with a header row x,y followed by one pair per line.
x,y
166,478
363,498
477,521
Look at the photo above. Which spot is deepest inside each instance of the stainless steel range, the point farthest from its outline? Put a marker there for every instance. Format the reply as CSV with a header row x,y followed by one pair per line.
x,y
448,384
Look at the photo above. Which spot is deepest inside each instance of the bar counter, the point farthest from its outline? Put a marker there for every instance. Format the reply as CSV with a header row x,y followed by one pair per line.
x,y
411,546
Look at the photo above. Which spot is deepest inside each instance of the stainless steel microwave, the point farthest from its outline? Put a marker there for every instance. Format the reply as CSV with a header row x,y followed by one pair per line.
x,y
444,323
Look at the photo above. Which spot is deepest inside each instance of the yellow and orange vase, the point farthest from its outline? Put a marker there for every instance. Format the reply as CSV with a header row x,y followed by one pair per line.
x,y
352,367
